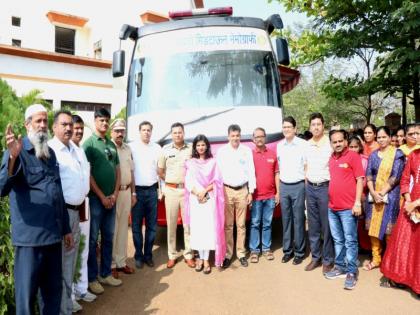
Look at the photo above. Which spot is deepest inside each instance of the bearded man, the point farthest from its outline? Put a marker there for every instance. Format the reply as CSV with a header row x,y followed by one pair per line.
x,y
29,174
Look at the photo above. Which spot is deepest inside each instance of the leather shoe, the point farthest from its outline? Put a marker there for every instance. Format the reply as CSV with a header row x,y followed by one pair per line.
x,y
150,263
171,263
243,262
126,269
297,260
286,258
312,265
226,263
190,263
139,264
114,273
327,268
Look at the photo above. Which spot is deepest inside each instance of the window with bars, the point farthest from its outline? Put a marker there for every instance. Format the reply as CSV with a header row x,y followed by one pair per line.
x,y
16,21
64,40
85,106
16,43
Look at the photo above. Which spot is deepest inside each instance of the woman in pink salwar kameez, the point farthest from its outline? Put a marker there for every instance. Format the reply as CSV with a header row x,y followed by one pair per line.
x,y
204,205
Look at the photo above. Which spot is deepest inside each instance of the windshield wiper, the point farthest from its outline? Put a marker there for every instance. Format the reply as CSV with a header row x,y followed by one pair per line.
x,y
197,120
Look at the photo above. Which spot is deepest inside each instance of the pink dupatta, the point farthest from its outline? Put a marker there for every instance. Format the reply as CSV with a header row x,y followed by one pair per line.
x,y
207,172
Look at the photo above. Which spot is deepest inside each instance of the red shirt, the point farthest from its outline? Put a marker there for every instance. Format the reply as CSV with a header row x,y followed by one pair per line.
x,y
344,170
266,166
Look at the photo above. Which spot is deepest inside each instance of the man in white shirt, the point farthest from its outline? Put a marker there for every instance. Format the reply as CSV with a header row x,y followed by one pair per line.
x,y
145,156
73,169
291,155
317,182
80,288
237,167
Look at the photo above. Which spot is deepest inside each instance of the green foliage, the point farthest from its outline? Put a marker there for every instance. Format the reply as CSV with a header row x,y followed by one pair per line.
x,y
347,28
7,297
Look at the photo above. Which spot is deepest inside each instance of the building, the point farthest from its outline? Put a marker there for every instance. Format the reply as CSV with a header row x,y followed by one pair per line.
x,y
64,48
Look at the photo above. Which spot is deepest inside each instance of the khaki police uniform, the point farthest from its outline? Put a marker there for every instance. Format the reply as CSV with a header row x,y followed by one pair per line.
x,y
173,162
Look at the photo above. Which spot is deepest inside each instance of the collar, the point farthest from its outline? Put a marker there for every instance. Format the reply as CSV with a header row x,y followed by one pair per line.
x,y
293,142
27,145
260,151
319,143
344,153
99,138
122,147
183,147
60,145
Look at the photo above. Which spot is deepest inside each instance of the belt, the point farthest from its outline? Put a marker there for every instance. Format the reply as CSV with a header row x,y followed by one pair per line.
x,y
154,186
321,184
75,208
295,183
125,187
236,187
178,186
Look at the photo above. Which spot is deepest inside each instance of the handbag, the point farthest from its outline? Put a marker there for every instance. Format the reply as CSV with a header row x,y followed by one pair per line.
x,y
372,200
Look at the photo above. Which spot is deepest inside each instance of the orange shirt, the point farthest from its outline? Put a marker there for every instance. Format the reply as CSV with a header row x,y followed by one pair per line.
x,y
368,149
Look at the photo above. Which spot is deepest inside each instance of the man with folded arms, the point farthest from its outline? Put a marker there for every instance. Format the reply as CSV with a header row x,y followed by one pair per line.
x,y
171,168
291,156
102,155
345,193
125,201
73,169
237,167
145,156
317,182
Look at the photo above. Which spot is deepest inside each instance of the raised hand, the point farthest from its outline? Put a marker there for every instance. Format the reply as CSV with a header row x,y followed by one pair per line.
x,y
14,145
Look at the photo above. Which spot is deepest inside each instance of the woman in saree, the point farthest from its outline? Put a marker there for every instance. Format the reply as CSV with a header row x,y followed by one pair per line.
x,y
369,135
382,206
401,263
204,205
410,140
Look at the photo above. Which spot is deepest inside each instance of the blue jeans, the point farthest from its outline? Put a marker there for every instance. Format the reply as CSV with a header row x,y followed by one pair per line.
x,y
145,208
103,220
261,209
343,226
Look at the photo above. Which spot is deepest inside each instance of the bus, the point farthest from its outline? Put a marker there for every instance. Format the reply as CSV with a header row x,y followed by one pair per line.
x,y
206,69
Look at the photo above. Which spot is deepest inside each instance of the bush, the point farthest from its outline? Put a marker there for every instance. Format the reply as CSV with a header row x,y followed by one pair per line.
x,y
7,296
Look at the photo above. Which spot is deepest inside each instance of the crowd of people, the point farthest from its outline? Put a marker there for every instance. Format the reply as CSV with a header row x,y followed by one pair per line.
x,y
358,190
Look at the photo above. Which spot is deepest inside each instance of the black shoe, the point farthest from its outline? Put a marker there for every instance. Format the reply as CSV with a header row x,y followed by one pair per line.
x,y
226,263
286,258
150,263
139,264
243,262
297,260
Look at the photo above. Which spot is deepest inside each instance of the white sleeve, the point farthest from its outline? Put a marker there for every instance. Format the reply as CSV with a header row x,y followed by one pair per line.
x,y
252,182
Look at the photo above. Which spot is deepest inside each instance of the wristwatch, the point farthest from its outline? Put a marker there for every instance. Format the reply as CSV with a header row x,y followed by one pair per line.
x,y
133,194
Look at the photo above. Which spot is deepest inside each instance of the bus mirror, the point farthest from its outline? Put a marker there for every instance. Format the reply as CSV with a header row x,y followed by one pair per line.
x,y
274,22
118,63
282,49
128,31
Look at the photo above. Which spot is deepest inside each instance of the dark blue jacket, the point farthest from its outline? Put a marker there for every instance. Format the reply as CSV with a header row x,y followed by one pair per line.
x,y
38,212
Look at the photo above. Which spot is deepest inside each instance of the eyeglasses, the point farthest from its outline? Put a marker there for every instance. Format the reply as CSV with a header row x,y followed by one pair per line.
x,y
108,154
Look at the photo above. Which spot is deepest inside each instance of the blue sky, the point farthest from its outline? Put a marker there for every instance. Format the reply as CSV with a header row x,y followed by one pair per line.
x,y
258,8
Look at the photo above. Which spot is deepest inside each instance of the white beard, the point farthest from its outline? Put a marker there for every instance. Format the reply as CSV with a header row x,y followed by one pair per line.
x,y
40,142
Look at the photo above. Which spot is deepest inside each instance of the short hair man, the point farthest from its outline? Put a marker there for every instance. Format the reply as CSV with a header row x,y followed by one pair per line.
x,y
73,169
29,173
102,155
125,201
266,197
171,168
317,182
345,193
291,156
146,155
80,288
237,167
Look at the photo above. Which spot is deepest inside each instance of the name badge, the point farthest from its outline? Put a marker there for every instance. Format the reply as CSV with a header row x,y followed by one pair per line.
x,y
343,165
270,160
171,156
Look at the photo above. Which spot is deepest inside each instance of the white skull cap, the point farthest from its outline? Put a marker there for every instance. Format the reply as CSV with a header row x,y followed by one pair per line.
x,y
33,109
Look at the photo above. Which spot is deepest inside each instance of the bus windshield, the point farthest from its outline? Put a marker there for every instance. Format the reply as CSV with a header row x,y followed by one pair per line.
x,y
224,78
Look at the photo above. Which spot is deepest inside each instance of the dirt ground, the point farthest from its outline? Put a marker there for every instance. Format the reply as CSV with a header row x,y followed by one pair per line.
x,y
268,287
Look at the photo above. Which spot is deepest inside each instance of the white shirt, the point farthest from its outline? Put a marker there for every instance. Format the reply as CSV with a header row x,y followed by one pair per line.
x,y
317,158
292,159
74,171
145,157
237,166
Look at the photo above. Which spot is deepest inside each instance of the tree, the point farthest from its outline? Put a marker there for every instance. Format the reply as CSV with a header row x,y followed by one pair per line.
x,y
344,28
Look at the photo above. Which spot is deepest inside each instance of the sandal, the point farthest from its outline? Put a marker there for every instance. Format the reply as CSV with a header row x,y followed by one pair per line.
x,y
207,269
268,255
370,266
254,258
199,265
